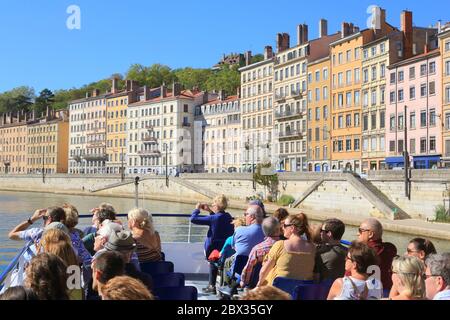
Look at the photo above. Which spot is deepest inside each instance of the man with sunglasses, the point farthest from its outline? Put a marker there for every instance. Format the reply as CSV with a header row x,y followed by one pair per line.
x,y
437,277
370,232
49,215
330,254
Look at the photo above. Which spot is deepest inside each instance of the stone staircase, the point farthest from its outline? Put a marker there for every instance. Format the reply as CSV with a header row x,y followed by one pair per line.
x,y
194,187
308,191
377,198
113,185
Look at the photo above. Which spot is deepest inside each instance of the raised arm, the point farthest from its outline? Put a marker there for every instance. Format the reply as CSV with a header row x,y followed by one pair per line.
x,y
197,219
14,234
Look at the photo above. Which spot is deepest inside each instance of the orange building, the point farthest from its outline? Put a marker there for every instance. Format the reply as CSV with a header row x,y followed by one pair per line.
x,y
346,65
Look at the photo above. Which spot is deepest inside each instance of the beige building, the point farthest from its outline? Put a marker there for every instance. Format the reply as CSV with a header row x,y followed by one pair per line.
x,y
160,128
222,134
48,143
444,44
290,92
13,143
257,112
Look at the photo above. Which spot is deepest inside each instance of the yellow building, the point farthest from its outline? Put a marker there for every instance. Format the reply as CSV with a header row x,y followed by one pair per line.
x,y
346,61
48,143
13,140
444,44
116,126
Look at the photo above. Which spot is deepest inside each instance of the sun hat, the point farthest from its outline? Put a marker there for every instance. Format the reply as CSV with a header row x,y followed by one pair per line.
x,y
120,241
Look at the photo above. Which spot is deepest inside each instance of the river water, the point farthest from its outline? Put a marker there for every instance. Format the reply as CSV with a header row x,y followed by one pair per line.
x,y
16,207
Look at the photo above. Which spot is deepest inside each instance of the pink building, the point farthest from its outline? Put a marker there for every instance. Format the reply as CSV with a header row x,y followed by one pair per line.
x,y
415,83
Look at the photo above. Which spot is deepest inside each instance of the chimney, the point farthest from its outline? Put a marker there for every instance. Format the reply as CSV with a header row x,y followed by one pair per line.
x,y
87,95
128,85
95,92
222,95
344,29
302,34
114,85
248,58
283,42
382,17
355,29
426,46
323,28
176,89
407,29
146,93
163,91
268,52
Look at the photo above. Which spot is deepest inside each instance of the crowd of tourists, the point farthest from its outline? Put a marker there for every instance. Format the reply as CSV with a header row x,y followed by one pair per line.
x,y
102,262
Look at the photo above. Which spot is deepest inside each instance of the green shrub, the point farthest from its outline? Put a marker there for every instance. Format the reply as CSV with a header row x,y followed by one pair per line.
x,y
441,214
285,200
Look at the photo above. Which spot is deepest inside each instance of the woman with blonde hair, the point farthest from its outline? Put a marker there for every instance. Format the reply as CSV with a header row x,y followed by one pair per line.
x,y
292,258
407,276
57,242
147,238
220,228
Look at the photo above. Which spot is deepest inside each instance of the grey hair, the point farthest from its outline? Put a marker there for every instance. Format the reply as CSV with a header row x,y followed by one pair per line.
x,y
270,226
439,264
375,226
256,211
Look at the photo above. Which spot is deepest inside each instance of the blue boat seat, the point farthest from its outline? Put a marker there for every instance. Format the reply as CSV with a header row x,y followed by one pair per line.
x,y
288,285
157,267
172,279
314,291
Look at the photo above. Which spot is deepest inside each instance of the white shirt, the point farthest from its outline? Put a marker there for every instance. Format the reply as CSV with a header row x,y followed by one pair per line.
x,y
443,295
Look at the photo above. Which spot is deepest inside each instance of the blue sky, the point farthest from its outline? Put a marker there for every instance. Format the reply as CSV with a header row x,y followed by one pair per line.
x,y
37,49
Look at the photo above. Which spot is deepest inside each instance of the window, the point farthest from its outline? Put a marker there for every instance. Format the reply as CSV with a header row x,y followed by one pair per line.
x,y
356,53
401,76
340,122
348,99
392,77
447,68
423,119
432,144
412,120
356,144
412,93
432,87
374,97
325,112
423,145
382,71
348,120
365,122
349,77
447,121
447,46
317,113
423,90
432,67
400,95
373,121
392,122
382,48
412,73
365,98
348,144
412,146
423,71
373,51
391,146
447,94
432,117
349,55
400,145
365,54
357,75
340,55
365,75
400,122
357,98
317,134
382,119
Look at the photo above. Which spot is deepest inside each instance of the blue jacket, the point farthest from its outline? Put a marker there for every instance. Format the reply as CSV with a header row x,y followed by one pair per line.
x,y
220,228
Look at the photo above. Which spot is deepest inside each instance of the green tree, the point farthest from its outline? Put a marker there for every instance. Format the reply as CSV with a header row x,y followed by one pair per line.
x,y
257,58
152,76
227,78
190,77
270,182
17,99
45,99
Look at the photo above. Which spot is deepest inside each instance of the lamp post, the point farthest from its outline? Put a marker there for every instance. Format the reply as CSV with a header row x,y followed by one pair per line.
x,y
247,146
122,172
167,161
43,168
136,192
406,156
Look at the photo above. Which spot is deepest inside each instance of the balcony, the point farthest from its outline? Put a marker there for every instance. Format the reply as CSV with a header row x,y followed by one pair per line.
x,y
96,143
296,94
289,114
280,98
149,140
186,124
96,157
149,153
76,158
149,127
292,135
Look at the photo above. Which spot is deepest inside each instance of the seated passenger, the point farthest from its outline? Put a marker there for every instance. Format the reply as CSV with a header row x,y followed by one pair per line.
x,y
18,293
46,276
227,250
108,265
370,232
271,229
358,285
330,255
148,242
125,288
437,275
266,293
281,214
407,277
420,248
292,258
